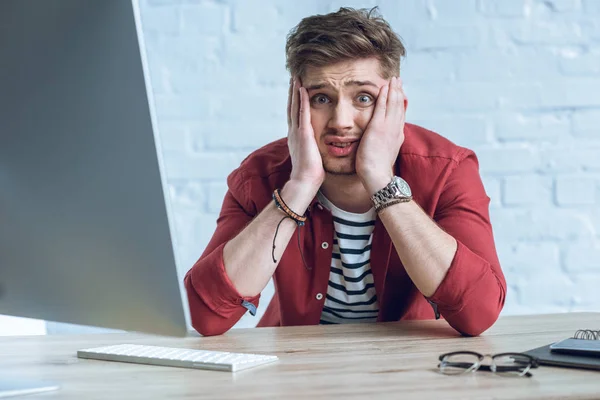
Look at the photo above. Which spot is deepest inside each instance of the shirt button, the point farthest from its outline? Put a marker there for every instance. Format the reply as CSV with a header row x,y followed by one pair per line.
x,y
325,245
319,296
319,206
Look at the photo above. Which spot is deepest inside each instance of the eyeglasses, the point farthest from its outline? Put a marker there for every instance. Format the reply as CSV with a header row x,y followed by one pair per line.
x,y
505,364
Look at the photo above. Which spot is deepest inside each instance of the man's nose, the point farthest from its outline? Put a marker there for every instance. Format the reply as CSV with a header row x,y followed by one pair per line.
x,y
342,117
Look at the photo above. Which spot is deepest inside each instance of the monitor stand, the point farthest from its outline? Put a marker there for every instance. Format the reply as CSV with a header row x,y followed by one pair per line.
x,y
22,387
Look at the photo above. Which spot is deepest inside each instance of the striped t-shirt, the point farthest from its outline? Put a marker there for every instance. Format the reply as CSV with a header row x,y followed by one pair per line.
x,y
351,294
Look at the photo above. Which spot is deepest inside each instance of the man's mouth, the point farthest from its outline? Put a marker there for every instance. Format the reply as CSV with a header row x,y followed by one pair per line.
x,y
342,145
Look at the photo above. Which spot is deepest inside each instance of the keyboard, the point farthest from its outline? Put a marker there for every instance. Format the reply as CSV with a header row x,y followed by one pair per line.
x,y
177,357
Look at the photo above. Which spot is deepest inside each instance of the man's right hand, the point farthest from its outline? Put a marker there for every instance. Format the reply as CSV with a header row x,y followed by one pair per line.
x,y
307,164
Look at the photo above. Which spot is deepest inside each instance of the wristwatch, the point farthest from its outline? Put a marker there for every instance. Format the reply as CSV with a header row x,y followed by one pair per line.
x,y
397,191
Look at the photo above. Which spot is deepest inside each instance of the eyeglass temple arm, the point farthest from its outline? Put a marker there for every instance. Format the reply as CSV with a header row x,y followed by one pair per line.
x,y
500,368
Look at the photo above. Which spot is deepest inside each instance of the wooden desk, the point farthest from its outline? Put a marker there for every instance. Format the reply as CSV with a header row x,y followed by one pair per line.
x,y
392,360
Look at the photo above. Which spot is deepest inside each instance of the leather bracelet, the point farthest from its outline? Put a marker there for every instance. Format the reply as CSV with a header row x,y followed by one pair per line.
x,y
391,203
300,219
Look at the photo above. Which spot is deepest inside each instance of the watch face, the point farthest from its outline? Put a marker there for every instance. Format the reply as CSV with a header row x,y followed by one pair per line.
x,y
403,187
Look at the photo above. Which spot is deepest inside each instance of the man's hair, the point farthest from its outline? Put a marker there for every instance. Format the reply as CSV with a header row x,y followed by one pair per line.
x,y
347,34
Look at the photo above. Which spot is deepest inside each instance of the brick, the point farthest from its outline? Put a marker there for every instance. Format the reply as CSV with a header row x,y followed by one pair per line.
x,y
216,194
508,160
571,93
275,18
594,214
573,63
207,18
248,134
554,289
560,6
558,32
334,5
160,3
583,257
576,190
493,65
264,62
445,37
527,190
265,104
591,6
587,296
519,127
188,194
463,11
535,309
461,129
247,17
194,229
511,302
540,224
189,107
199,166
429,67
518,96
530,258
586,123
502,8
590,30
571,157
225,79
402,14
493,188
174,136
480,65
460,97
184,52
159,79
164,20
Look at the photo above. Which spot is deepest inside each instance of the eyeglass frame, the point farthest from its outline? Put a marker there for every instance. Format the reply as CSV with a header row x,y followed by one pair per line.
x,y
478,366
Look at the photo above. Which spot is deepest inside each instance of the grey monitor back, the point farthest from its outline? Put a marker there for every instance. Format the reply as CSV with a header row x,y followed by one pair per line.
x,y
84,228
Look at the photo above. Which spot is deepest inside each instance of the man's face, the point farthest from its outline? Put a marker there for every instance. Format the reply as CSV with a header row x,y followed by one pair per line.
x,y
342,100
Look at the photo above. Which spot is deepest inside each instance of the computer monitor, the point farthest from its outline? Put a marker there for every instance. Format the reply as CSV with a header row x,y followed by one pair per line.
x,y
84,215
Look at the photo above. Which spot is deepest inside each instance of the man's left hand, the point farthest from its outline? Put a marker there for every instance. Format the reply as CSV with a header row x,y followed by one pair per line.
x,y
383,138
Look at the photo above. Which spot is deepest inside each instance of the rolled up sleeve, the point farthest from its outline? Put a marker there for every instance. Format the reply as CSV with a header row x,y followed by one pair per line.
x,y
473,291
215,304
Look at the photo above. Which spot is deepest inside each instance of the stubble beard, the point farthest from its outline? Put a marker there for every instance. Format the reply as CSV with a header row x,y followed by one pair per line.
x,y
339,167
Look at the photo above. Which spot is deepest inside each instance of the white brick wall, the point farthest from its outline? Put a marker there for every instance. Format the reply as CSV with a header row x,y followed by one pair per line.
x,y
518,81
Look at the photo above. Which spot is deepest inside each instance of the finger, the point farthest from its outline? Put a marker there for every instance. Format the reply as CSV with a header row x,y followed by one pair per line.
x,y
392,106
289,103
295,105
304,109
403,98
381,104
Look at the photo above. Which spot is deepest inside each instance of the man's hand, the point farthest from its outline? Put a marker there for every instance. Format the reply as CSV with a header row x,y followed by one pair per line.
x,y
307,164
383,138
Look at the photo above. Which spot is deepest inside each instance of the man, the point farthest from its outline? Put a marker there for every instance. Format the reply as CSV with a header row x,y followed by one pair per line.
x,y
389,220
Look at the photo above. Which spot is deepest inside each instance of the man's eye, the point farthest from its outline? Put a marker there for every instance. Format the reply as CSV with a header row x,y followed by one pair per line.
x,y
365,99
320,99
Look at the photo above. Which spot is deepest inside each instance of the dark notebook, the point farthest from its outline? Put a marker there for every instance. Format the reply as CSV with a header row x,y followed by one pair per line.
x,y
547,357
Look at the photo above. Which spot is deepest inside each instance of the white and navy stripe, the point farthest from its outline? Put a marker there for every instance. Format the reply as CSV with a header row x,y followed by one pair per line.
x,y
351,296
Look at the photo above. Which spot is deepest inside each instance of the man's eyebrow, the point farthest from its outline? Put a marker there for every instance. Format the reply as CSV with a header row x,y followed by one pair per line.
x,y
318,86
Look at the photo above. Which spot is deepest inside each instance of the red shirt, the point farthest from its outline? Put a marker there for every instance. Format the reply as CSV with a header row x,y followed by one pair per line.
x,y
445,182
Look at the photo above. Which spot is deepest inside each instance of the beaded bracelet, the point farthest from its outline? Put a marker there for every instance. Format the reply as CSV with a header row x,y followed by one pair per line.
x,y
284,207
298,219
